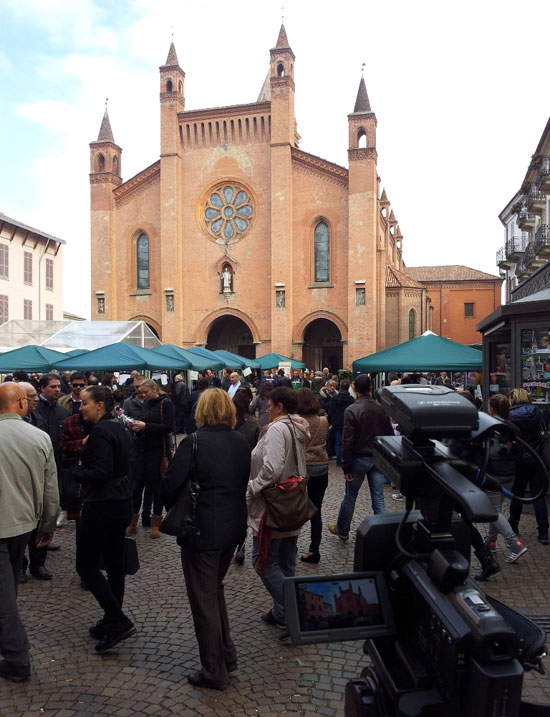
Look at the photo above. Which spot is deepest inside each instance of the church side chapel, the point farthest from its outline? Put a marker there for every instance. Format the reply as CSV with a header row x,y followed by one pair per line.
x,y
235,238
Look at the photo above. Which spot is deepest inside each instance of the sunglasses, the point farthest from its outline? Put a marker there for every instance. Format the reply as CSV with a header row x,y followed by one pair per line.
x,y
78,385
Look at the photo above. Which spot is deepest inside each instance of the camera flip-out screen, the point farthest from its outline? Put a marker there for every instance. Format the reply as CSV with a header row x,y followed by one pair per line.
x,y
331,608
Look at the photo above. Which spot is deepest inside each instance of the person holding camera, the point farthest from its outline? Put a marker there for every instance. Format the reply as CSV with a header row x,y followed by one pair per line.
x,y
363,421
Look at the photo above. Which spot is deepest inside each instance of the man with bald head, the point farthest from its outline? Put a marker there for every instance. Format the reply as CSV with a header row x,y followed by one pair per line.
x,y
29,499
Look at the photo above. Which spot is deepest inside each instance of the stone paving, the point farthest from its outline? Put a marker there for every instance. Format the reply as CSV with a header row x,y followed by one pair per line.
x,y
146,675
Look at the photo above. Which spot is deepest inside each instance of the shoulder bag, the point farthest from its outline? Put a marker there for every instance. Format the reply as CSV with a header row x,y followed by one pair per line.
x,y
180,520
288,506
167,451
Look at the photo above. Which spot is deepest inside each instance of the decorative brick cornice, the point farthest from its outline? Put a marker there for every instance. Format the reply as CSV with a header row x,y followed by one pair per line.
x,y
281,82
148,175
319,165
104,178
100,145
253,108
362,153
170,98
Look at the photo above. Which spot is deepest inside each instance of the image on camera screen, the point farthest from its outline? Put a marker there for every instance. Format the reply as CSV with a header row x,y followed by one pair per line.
x,y
337,604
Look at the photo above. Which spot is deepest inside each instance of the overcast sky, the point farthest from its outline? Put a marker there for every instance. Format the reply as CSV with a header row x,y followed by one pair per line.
x,y
459,91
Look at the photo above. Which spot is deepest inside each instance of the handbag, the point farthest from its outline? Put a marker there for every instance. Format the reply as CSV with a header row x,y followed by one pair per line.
x,y
288,505
165,462
180,520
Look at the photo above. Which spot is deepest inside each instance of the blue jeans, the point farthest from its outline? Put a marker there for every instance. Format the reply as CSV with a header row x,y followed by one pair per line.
x,y
281,564
361,467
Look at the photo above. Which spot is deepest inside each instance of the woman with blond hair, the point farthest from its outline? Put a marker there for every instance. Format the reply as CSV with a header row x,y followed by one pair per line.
x,y
152,449
220,467
528,419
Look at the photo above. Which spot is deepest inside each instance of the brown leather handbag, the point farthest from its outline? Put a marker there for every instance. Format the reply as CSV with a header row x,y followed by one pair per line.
x,y
288,505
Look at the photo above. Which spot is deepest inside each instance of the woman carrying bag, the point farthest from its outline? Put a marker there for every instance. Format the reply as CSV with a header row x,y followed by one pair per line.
x,y
278,457
219,469
102,472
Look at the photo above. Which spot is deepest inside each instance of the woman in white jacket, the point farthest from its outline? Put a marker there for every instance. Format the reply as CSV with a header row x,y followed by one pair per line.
x,y
278,455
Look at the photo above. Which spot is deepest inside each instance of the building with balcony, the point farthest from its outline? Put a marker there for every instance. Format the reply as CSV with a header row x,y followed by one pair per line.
x,y
31,272
516,337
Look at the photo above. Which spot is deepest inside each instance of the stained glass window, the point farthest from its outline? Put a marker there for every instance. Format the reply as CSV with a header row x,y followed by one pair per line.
x,y
412,324
321,252
143,262
228,212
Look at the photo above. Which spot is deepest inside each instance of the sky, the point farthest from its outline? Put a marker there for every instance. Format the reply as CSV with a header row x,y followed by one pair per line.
x,y
458,90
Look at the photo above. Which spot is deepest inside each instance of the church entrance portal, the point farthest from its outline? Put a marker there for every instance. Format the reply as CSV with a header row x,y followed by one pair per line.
x,y
232,334
322,346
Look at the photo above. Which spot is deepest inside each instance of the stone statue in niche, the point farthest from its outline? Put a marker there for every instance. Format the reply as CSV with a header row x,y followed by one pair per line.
x,y
226,280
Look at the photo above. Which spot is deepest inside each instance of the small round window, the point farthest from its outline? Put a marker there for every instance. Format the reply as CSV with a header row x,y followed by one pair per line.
x,y
228,212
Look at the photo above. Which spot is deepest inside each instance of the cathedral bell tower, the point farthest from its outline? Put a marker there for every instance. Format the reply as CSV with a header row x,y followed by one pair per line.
x,y
283,138
172,101
105,171
363,261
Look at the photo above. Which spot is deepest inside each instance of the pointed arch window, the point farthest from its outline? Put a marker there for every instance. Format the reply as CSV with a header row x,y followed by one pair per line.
x,y
322,253
412,324
142,263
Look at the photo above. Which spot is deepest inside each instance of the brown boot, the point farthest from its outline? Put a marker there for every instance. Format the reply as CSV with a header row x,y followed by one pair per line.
x,y
132,528
156,520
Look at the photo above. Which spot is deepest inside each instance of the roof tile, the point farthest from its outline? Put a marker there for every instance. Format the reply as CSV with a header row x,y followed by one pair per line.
x,y
450,272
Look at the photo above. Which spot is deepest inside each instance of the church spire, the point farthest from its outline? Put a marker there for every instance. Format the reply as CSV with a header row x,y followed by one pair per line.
x,y
105,131
362,103
172,58
282,40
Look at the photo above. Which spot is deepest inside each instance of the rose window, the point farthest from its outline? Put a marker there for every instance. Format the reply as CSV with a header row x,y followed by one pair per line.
x,y
228,212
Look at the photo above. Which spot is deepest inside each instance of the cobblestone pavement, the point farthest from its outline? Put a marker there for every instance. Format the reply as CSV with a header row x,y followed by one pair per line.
x,y
146,675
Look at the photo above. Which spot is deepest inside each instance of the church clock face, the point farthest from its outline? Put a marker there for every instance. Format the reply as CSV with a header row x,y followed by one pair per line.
x,y
228,212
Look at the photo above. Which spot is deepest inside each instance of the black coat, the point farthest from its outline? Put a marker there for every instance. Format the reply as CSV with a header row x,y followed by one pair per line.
x,y
152,442
223,467
49,417
103,472
336,408
189,424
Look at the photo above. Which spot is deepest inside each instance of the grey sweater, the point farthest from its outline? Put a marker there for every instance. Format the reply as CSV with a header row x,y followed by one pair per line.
x,y
29,493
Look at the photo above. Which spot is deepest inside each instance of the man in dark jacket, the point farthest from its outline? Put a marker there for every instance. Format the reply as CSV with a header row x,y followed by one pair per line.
x,y
363,421
336,408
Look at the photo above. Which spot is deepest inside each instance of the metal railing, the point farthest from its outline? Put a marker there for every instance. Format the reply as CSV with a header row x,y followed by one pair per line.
x,y
516,244
542,238
501,255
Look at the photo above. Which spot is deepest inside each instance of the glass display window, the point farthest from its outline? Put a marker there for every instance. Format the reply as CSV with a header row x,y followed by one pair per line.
x,y
500,374
535,363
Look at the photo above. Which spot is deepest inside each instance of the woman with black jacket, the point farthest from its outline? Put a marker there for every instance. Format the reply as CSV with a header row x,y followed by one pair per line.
x,y
152,449
105,493
221,468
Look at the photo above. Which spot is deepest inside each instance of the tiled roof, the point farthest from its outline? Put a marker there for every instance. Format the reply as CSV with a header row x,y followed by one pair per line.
x,y
26,227
450,272
282,40
105,131
172,58
398,279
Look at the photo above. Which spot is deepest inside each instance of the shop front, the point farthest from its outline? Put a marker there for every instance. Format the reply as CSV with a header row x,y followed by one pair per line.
x,y
516,348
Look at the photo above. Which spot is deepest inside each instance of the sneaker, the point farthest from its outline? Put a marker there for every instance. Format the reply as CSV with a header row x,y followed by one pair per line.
x,y
398,496
62,519
334,530
272,620
491,544
115,634
14,673
515,550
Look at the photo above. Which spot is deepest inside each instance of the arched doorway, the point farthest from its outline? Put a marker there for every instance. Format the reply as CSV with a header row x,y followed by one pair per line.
x,y
322,345
232,334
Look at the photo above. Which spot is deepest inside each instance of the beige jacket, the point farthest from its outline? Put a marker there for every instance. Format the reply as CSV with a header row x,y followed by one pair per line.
x,y
316,447
272,461
28,478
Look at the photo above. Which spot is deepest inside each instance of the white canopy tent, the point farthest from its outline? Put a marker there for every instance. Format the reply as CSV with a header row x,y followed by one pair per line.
x,y
69,335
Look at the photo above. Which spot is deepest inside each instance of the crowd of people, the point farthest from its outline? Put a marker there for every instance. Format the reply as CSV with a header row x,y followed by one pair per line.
x,y
108,456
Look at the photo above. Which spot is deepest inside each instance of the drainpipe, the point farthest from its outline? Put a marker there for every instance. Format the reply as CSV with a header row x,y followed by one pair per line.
x,y
40,279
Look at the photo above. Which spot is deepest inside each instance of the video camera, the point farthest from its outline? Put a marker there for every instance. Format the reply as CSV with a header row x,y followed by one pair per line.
x,y
438,645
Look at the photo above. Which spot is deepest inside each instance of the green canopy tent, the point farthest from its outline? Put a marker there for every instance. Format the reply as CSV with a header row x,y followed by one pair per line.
x,y
119,356
428,352
36,359
210,355
273,360
191,360
236,360
76,352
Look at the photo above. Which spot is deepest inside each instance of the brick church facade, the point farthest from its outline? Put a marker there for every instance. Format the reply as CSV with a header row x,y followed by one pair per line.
x,y
236,238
